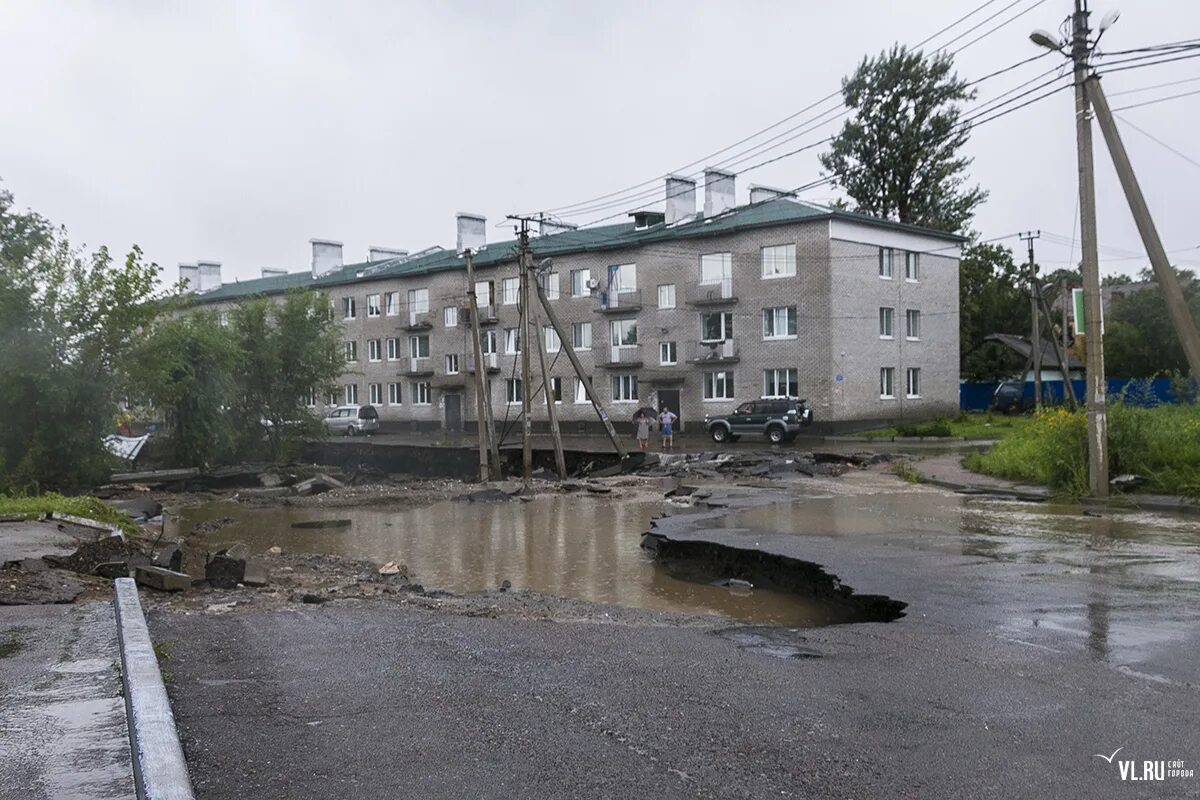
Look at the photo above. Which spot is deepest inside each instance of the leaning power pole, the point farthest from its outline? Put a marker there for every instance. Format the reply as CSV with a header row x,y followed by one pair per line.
x,y
1035,340
523,266
1097,412
560,461
1177,308
483,405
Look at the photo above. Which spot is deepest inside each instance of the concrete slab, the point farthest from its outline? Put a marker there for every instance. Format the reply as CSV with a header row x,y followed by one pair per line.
x,y
36,538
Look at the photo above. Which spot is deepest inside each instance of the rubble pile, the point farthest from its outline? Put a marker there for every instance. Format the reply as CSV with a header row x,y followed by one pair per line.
x,y
724,465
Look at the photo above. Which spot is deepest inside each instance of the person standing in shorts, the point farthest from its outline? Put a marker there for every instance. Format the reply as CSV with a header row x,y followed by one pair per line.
x,y
666,424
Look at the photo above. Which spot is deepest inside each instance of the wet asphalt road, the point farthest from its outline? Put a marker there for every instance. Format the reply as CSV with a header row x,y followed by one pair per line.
x,y
1029,646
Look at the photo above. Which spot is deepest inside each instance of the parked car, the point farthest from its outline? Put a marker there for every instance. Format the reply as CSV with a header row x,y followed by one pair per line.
x,y
352,420
1009,398
780,420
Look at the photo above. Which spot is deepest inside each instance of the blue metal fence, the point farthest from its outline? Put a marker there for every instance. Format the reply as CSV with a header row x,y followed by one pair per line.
x,y
1136,391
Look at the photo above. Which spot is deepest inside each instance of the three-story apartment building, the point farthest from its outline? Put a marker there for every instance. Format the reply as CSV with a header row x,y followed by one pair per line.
x,y
693,310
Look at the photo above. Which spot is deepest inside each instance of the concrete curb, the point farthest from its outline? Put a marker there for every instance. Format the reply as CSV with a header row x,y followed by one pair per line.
x,y
159,769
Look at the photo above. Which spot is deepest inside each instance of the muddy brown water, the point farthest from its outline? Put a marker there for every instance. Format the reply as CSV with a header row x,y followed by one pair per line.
x,y
567,546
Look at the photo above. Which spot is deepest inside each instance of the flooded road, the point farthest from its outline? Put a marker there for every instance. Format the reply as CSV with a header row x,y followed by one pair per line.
x,y
563,545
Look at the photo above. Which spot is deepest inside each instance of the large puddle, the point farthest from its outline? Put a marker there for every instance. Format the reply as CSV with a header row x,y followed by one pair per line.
x,y
564,545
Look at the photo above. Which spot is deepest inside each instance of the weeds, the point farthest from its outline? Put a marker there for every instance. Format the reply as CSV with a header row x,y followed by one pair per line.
x,y
81,506
906,471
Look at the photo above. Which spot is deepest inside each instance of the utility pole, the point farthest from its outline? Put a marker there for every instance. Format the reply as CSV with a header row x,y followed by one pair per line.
x,y
523,267
1177,308
1064,360
560,461
483,405
1036,339
1097,413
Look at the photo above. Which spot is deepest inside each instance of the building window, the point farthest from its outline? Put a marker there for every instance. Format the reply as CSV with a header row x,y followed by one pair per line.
x,y
351,351
418,301
624,388
718,386
422,393
779,261
452,363
912,324
450,316
716,327
885,263
513,391
623,332
912,266
374,350
581,391
781,383
581,335
716,269
349,308
579,282
666,295
668,355
556,389
510,291
550,337
375,392
487,341
622,278
350,393
549,283
310,399
393,348
512,341
331,399
483,293
223,319
912,378
885,322
394,398
374,308
779,323
887,383
392,304
418,346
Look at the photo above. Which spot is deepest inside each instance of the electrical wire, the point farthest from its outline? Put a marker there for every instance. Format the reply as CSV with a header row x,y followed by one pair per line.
x,y
1005,23
1158,141
1139,63
1157,100
1155,86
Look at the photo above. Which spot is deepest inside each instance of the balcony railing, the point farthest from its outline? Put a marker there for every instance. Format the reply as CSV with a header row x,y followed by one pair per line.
x,y
722,352
491,362
487,315
711,294
621,357
418,319
418,367
618,302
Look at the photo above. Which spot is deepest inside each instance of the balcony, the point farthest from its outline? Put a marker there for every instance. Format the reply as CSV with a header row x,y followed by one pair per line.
x,y
418,368
418,319
711,294
487,315
453,381
627,357
491,362
619,302
722,352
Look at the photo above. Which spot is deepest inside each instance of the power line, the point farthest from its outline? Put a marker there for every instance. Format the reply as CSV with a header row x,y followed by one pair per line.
x,y
1182,44
1155,86
1155,139
1139,63
977,26
1006,22
1157,100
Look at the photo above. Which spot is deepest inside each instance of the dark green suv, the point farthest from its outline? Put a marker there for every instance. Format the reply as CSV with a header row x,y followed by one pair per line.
x,y
780,420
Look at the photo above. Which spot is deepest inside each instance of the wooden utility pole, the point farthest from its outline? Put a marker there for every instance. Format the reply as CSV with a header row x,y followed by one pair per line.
x,y
559,460
523,268
1035,339
1177,307
483,405
1097,412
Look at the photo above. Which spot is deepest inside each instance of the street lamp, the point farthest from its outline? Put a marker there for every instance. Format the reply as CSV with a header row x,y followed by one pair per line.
x,y
1046,39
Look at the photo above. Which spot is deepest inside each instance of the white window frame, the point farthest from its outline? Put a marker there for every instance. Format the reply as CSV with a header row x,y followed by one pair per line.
x,y
512,341
450,316
912,266
716,269
513,391
349,308
912,383
626,278
556,389
887,383
395,394
391,304
580,393
487,342
668,354
549,282
718,386
452,364
310,399
422,393
550,339
580,278
375,394
483,293
577,335
615,336
418,301
887,322
393,349
374,305
414,345
510,291
773,314
624,388
726,326
666,295
887,263
771,257
771,382
350,393
912,332
351,348
374,351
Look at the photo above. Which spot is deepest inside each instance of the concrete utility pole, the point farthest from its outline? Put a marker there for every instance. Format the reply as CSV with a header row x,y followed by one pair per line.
x,y
1035,340
1185,326
523,267
483,406
1097,413
1060,354
560,461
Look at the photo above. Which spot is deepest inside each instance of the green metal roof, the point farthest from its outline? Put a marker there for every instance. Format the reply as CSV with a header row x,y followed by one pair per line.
x,y
780,211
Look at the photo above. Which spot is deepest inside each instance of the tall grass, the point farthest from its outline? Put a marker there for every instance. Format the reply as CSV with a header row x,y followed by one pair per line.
x,y
82,506
1162,444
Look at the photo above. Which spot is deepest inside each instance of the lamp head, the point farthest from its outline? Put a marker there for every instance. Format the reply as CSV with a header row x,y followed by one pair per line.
x,y
1046,39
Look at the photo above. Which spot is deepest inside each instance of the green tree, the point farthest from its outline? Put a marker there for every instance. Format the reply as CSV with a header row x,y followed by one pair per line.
x,y
898,157
1139,338
992,299
67,322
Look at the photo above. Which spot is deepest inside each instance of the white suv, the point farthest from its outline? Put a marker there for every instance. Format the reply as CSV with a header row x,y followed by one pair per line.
x,y
352,420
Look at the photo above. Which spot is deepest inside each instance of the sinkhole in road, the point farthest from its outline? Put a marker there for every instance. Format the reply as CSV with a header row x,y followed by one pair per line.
x,y
575,546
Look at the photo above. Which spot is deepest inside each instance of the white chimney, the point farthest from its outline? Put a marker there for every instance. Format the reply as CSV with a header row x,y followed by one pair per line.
x,y
681,199
472,231
761,194
326,256
273,272
210,275
384,253
719,194
189,275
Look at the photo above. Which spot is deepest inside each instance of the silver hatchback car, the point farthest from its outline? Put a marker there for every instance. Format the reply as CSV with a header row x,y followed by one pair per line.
x,y
352,420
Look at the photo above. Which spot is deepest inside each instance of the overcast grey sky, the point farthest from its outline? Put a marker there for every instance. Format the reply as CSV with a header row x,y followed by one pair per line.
x,y
236,131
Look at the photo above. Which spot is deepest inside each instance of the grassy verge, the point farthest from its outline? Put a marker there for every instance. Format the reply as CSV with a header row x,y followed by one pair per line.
x,y
1162,444
82,506
964,426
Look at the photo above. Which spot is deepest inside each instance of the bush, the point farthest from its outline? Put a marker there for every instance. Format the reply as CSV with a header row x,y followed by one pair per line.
x,y
937,427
